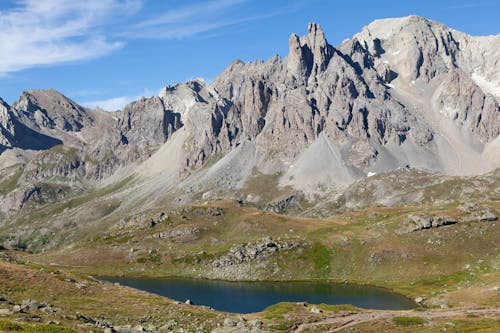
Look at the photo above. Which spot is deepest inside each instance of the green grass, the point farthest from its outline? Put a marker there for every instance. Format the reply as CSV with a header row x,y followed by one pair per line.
x,y
282,219
112,239
9,326
338,308
278,310
466,326
10,184
285,327
54,209
320,255
78,201
408,321
267,186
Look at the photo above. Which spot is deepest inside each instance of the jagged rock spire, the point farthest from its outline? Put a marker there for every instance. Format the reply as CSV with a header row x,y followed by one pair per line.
x,y
309,54
318,45
297,61
4,107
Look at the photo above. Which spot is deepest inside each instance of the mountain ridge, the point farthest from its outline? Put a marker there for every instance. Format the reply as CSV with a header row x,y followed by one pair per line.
x,y
365,106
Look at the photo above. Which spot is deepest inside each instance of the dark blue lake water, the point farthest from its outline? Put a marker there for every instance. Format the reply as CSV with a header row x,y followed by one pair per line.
x,y
247,297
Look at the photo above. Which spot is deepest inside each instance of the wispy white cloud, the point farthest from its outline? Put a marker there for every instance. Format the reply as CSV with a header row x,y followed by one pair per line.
x,y
189,29
39,33
192,20
35,33
188,12
116,103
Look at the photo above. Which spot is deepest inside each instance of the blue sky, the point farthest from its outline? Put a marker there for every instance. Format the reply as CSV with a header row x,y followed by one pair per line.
x,y
109,52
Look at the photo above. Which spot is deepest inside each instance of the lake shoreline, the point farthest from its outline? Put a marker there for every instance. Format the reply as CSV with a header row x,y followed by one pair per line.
x,y
266,293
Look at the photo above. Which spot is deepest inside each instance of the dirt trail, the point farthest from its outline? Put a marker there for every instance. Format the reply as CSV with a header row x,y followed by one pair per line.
x,y
344,321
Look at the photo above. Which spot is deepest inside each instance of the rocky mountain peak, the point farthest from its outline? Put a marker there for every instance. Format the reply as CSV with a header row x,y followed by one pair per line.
x,y
462,69
4,112
316,38
310,54
50,109
3,103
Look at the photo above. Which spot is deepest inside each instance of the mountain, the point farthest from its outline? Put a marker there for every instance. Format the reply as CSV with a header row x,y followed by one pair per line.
x,y
323,116
403,93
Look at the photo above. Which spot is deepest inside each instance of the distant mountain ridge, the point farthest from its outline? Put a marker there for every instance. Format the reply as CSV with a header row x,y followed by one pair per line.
x,y
403,92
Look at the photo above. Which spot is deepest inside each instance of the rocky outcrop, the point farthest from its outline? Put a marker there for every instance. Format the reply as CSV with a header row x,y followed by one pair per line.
x,y
421,222
474,212
250,261
242,326
209,211
470,212
33,195
181,234
257,251
280,205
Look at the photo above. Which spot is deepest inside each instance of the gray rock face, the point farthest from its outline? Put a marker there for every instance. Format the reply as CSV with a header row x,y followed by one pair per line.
x,y
6,126
35,194
357,102
461,69
148,122
315,90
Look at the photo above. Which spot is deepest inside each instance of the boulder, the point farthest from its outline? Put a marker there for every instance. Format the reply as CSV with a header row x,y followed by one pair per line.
x,y
229,322
419,300
315,310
